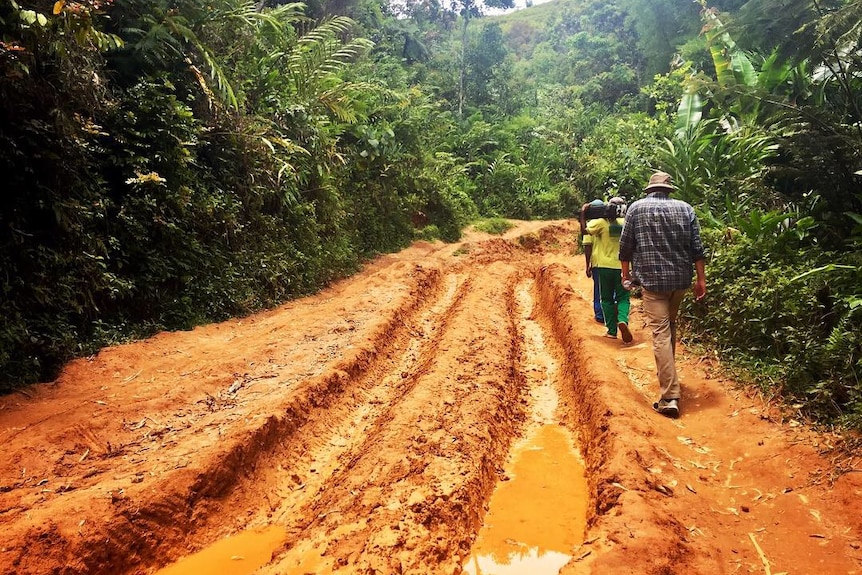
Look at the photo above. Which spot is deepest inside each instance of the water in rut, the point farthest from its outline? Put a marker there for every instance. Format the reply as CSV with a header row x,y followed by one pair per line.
x,y
538,513
236,555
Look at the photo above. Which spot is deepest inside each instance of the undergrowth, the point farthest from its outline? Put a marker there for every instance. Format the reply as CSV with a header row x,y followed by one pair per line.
x,y
789,316
494,226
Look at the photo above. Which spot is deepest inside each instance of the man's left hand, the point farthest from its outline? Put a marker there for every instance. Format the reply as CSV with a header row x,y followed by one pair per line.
x,y
699,289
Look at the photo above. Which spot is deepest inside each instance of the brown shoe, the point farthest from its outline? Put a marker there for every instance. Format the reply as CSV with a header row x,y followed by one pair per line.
x,y
625,331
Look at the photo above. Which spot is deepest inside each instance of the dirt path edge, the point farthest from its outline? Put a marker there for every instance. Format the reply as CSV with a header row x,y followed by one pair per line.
x,y
623,497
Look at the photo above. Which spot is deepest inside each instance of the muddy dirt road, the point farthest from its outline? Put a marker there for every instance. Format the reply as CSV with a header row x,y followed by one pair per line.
x,y
370,428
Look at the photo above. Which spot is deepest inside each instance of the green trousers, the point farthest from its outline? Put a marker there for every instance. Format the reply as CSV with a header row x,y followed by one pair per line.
x,y
615,298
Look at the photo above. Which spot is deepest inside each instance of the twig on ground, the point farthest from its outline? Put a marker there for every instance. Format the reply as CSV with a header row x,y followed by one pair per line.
x,y
763,558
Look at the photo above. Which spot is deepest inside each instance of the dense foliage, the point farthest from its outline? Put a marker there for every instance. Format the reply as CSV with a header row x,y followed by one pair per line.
x,y
170,162
781,310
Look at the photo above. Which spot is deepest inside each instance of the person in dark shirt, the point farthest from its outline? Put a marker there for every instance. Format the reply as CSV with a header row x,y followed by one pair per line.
x,y
660,247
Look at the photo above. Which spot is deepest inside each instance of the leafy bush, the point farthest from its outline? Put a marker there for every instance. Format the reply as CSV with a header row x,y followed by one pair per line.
x,y
497,192
429,233
450,206
495,226
559,201
791,315
615,158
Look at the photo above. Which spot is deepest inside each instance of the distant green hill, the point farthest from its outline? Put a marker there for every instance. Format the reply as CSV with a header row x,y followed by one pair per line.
x,y
524,29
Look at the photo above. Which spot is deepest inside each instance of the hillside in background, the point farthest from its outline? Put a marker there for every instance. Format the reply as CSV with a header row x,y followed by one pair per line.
x,y
525,29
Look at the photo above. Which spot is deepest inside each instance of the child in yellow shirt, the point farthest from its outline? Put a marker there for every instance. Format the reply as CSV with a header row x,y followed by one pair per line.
x,y
605,233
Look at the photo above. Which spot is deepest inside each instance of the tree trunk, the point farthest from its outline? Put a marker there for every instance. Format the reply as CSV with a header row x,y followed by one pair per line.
x,y
463,72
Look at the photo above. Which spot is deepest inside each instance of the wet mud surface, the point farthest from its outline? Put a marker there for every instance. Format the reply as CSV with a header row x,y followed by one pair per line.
x,y
371,429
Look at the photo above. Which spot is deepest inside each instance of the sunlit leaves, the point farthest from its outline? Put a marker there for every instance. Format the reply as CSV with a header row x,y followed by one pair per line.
x,y
689,113
30,17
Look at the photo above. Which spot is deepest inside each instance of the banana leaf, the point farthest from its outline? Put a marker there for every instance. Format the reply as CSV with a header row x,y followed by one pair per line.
x,y
689,113
743,71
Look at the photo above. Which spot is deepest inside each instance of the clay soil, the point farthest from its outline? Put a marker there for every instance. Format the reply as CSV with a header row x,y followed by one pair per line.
x,y
372,422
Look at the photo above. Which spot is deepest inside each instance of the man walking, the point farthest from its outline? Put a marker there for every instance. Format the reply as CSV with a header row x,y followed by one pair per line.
x,y
660,244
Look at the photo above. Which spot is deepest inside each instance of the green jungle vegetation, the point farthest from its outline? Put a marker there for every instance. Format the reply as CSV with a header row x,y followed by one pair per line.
x,y
173,162
496,226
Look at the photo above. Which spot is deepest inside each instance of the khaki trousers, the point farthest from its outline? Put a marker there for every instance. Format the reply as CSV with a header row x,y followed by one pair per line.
x,y
661,309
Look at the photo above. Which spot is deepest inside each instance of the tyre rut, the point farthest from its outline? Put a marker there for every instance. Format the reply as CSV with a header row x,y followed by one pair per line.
x,y
298,470
412,493
173,507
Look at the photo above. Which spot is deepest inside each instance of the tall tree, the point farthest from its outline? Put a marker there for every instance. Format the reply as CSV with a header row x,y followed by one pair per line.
x,y
484,58
662,25
469,9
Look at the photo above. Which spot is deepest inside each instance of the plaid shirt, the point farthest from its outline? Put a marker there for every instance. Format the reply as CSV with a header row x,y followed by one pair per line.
x,y
662,240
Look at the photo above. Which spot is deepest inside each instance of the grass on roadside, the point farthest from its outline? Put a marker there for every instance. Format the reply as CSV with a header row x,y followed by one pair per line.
x,y
494,226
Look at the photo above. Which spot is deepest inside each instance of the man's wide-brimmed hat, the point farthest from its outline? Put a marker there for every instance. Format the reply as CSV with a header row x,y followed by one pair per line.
x,y
660,181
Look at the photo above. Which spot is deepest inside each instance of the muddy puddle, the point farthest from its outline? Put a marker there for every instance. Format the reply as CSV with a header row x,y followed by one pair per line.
x,y
238,554
537,515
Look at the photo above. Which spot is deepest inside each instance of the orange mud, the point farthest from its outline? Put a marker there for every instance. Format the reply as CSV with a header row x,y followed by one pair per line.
x,y
371,428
